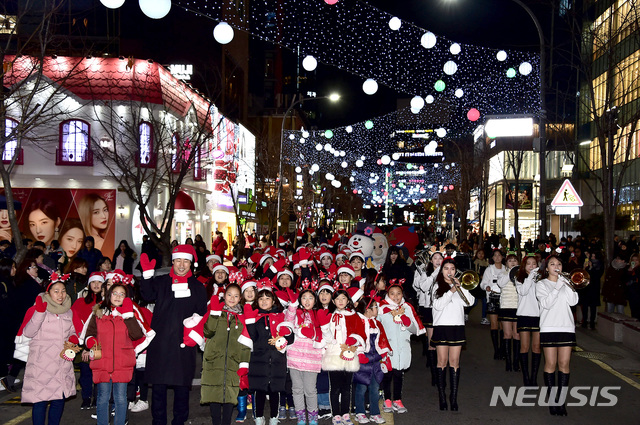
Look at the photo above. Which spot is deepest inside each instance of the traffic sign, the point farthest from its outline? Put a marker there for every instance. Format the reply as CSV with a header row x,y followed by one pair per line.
x,y
567,196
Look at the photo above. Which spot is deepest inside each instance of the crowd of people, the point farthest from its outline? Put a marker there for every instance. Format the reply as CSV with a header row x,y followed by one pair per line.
x,y
303,323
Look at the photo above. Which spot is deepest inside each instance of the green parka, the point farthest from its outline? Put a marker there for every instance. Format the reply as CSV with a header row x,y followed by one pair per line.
x,y
224,354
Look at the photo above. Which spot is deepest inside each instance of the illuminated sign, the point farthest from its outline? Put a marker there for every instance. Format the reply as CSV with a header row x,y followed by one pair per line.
x,y
181,72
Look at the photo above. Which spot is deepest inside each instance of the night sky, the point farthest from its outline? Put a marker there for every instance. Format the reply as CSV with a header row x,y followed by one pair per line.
x,y
183,38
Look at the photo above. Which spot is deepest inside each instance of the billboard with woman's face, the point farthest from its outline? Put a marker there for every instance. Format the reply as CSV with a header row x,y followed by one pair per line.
x,y
67,215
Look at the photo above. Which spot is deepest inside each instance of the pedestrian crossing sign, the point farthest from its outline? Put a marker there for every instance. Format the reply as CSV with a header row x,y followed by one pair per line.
x,y
567,196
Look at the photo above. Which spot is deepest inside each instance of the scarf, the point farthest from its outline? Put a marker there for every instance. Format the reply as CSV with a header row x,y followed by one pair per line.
x,y
180,284
54,307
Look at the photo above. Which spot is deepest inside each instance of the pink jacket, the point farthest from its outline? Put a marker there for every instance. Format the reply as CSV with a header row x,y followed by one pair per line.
x,y
48,376
304,354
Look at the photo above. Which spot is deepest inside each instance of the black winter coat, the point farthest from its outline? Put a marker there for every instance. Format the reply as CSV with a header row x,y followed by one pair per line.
x,y
167,362
268,366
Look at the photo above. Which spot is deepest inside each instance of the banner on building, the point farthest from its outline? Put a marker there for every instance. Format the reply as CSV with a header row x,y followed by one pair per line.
x,y
525,196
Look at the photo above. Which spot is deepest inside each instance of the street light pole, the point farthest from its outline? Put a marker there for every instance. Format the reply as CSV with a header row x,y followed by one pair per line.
x,y
542,204
333,97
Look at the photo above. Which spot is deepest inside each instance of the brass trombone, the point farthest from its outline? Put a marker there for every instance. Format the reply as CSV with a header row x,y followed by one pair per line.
x,y
577,279
468,280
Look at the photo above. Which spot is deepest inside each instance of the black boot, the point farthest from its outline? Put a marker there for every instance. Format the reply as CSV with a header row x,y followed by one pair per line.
x,y
432,355
507,352
453,397
516,355
550,382
524,359
442,385
502,346
535,365
563,386
494,341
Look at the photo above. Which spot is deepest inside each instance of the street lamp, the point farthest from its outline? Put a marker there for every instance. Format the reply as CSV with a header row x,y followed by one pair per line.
x,y
334,97
541,123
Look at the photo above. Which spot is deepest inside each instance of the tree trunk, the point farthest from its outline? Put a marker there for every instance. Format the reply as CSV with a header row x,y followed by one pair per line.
x,y
21,250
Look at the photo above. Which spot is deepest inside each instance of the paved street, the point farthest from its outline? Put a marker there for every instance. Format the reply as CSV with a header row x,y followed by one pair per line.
x,y
601,363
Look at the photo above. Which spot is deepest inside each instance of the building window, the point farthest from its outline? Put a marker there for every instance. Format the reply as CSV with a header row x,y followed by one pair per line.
x,y
74,144
175,153
146,156
11,144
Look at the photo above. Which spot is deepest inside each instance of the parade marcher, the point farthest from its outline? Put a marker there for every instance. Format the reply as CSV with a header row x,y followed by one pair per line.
x,y
399,320
177,296
557,328
226,355
507,316
113,326
528,314
448,329
590,295
325,293
424,287
480,264
48,376
489,284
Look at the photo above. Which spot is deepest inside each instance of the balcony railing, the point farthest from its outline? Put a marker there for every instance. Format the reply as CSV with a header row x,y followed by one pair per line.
x,y
19,159
74,157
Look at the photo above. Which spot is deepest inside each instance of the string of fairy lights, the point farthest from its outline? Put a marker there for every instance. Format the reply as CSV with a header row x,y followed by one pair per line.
x,y
453,85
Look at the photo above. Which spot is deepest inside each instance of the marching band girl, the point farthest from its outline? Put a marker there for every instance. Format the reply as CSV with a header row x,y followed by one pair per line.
x,y
528,314
489,283
507,315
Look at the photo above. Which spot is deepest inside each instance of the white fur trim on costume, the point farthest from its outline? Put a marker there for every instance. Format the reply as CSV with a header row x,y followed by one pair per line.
x,y
199,339
359,339
250,321
148,274
182,294
243,365
127,315
184,255
248,342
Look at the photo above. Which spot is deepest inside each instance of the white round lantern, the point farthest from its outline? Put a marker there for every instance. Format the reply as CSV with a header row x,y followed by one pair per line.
x,y
359,163
112,4
309,63
459,93
305,134
450,67
385,159
329,176
155,9
315,167
319,147
327,147
302,140
344,164
454,49
525,68
336,183
415,111
441,132
292,136
501,55
349,129
396,156
223,33
429,99
298,170
417,103
428,40
395,23
370,86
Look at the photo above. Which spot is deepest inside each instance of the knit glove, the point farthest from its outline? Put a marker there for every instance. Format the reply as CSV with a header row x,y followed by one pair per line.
x,y
148,266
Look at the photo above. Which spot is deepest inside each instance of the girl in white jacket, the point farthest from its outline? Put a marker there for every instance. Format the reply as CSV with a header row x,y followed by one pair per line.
x,y
423,284
489,283
507,315
448,329
557,327
528,314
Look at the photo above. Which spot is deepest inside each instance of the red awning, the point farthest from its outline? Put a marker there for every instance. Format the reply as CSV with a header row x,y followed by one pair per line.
x,y
184,202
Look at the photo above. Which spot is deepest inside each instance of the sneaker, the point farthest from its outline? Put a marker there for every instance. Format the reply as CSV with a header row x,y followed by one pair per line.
x,y
377,419
362,418
484,321
399,407
346,419
337,420
11,388
140,406
131,404
282,412
387,406
292,413
273,421
94,416
86,404
324,413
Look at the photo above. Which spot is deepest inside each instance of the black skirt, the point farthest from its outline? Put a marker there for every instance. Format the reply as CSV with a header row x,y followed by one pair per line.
x,y
507,315
427,316
528,324
448,335
557,339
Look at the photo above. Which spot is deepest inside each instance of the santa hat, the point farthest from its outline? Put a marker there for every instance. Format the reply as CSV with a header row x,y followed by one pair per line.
x,y
296,266
58,278
357,254
346,268
326,253
299,234
326,286
116,276
284,271
96,277
311,231
214,257
355,294
282,241
248,284
193,331
220,267
255,258
264,258
187,252
251,240
341,254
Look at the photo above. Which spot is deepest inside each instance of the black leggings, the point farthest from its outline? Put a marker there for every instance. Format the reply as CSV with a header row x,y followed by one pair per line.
x,y
397,376
340,392
259,402
221,413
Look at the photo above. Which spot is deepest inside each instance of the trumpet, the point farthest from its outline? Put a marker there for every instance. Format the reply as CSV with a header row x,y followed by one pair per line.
x,y
468,280
577,279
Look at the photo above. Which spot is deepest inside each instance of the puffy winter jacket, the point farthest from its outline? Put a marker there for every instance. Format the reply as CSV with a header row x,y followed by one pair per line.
x,y
372,369
115,335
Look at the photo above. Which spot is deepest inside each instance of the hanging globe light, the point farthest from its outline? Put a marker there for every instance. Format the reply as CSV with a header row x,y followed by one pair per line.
x,y
223,33
155,9
309,63
395,23
428,40
112,4
501,55
417,103
370,86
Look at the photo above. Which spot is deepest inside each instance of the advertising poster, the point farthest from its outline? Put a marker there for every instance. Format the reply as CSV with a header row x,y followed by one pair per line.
x,y
525,193
67,215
